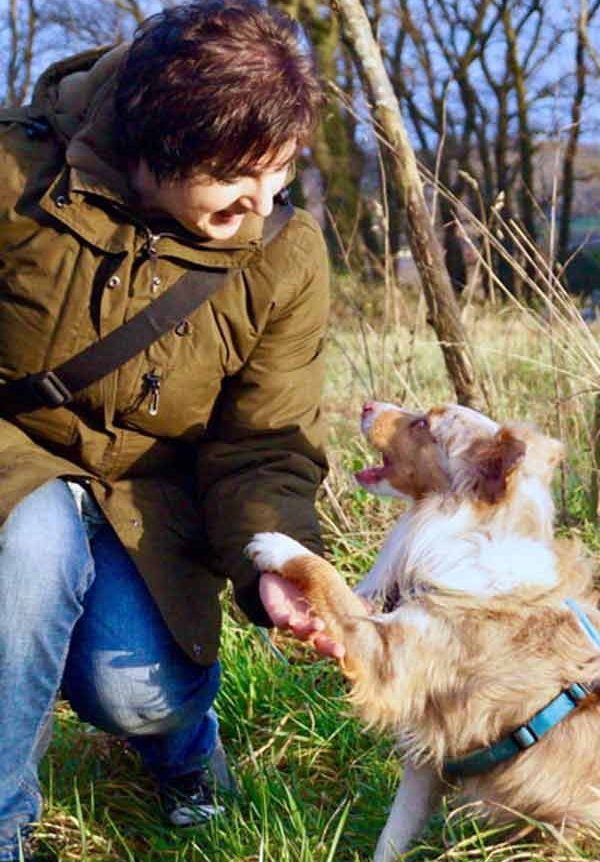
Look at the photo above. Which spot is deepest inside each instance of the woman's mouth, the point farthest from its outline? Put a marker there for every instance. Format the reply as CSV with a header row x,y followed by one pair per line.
x,y
226,217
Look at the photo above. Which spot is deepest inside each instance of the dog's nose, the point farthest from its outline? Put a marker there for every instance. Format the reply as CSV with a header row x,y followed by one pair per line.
x,y
368,408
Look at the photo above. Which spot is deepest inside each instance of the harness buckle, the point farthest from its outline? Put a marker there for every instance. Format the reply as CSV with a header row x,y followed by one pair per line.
x,y
578,691
524,736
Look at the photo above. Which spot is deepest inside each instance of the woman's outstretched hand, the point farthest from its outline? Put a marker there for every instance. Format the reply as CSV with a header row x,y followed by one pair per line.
x,y
290,610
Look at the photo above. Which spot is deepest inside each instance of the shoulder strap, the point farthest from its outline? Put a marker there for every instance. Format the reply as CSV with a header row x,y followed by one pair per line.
x,y
32,119
56,387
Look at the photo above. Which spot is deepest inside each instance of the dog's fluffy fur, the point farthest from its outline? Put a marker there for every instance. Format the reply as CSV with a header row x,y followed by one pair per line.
x,y
474,637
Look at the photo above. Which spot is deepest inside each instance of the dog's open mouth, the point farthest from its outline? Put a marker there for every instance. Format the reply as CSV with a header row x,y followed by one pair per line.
x,y
372,475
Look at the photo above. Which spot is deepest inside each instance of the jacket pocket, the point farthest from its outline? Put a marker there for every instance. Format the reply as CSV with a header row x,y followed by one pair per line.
x,y
54,427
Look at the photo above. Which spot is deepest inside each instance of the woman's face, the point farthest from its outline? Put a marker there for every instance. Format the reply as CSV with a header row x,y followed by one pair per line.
x,y
211,207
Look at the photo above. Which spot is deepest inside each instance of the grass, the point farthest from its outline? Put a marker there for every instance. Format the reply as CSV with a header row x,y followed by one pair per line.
x,y
314,784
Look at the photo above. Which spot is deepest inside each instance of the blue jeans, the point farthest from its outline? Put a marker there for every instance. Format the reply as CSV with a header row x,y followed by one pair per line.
x,y
75,615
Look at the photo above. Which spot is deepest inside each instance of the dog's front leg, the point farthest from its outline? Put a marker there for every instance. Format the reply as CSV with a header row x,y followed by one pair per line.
x,y
346,619
417,796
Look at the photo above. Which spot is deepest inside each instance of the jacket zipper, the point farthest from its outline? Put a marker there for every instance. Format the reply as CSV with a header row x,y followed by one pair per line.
x,y
151,251
151,378
153,382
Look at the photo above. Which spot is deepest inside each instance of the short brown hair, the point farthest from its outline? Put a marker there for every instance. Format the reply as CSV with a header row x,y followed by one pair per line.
x,y
221,83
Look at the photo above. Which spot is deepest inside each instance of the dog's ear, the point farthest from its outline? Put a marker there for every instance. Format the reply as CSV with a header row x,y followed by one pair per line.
x,y
554,451
490,462
543,453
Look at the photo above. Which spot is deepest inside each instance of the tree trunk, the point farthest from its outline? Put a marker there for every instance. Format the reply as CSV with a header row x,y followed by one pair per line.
x,y
22,30
568,171
334,151
428,256
526,148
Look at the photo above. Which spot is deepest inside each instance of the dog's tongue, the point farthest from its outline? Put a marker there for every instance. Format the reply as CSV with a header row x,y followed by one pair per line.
x,y
368,475
371,475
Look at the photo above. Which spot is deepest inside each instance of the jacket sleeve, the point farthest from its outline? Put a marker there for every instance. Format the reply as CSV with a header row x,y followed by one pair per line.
x,y
263,459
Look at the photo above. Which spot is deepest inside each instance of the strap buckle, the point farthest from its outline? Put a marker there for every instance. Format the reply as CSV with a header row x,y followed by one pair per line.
x,y
37,128
524,736
578,691
48,389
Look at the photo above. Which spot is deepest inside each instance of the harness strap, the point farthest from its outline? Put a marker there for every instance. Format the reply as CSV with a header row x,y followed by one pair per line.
x,y
520,739
523,737
584,621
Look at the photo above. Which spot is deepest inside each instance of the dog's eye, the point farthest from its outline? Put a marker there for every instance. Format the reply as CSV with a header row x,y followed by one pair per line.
x,y
420,424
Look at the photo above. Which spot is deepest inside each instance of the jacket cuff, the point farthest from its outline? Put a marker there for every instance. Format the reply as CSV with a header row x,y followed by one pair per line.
x,y
248,600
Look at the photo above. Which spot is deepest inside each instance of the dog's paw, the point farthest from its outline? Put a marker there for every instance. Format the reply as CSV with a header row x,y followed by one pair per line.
x,y
271,551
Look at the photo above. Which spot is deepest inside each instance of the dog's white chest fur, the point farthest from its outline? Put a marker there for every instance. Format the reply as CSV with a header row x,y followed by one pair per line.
x,y
451,551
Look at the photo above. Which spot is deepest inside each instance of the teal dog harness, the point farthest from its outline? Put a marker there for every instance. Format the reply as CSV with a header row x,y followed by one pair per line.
x,y
526,735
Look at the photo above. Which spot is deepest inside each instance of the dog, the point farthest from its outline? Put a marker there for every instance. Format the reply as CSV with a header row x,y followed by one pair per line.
x,y
483,655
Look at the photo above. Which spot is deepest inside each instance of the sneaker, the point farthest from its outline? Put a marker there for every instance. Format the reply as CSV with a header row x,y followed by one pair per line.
x,y
189,800
24,851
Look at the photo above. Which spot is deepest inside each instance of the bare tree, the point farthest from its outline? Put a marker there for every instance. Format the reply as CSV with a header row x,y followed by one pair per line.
x,y
518,68
434,51
22,26
35,33
586,13
441,303
81,24
335,152
468,76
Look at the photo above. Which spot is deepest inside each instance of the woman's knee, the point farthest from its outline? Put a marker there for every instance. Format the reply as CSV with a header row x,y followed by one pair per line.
x,y
121,696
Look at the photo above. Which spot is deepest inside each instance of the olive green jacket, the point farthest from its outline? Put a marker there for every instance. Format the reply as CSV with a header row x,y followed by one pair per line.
x,y
237,444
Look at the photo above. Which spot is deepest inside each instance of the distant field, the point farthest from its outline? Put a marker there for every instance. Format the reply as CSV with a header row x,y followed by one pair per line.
x,y
586,229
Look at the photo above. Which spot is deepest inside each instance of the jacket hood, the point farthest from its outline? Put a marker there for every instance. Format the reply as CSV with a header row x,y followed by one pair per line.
x,y
76,95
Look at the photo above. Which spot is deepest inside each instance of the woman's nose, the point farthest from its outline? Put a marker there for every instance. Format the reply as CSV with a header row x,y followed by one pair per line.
x,y
259,200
